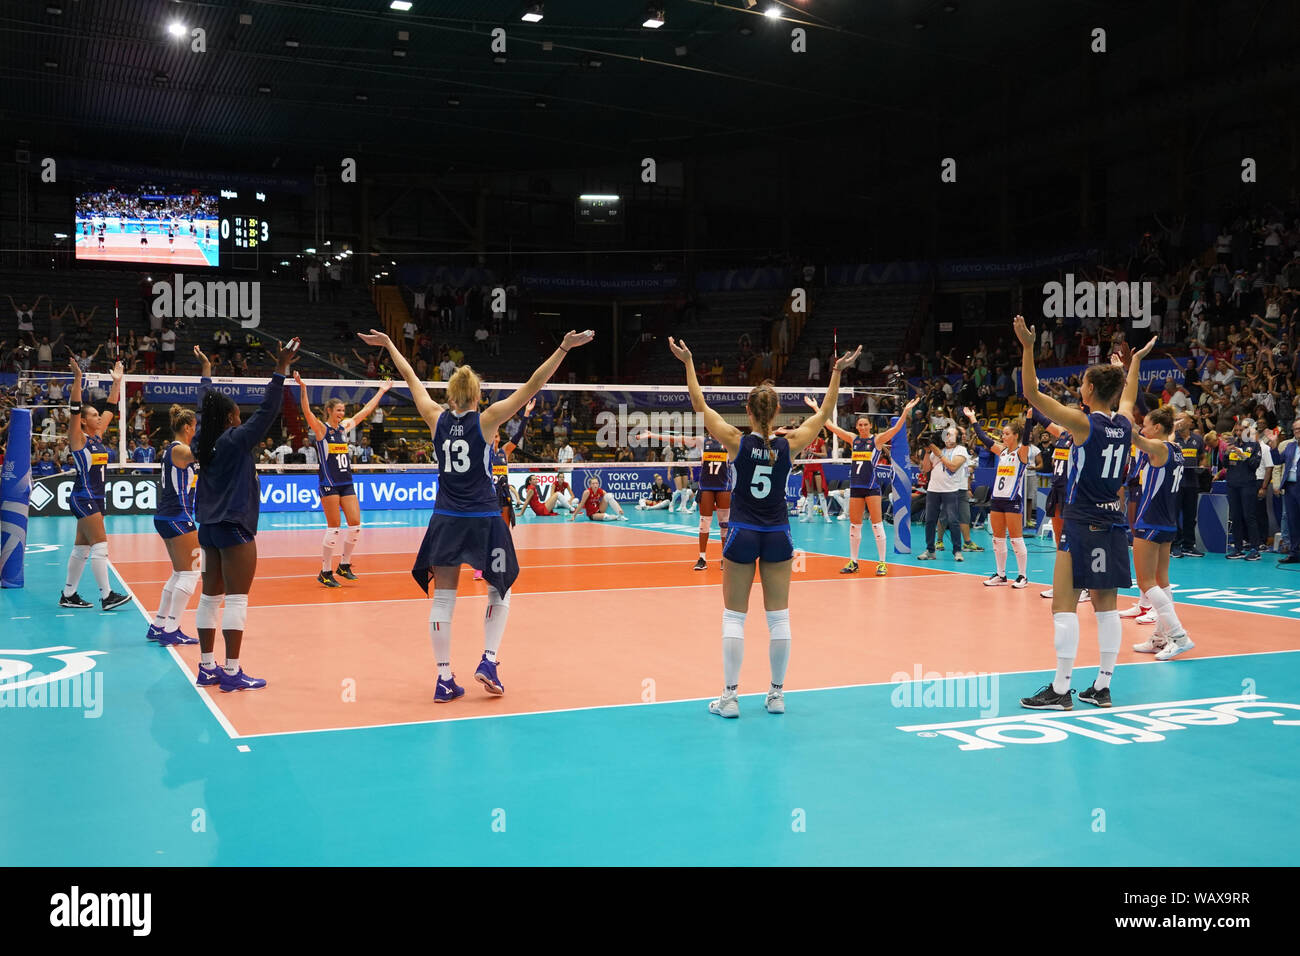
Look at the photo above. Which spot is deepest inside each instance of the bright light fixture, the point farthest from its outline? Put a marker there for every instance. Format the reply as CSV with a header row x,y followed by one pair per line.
x,y
177,29
402,5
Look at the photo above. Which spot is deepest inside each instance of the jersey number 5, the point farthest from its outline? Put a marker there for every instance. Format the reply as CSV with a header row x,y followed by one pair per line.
x,y
761,483
460,448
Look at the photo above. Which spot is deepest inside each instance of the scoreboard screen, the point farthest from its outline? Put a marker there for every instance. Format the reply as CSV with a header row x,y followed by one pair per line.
x,y
245,229
598,217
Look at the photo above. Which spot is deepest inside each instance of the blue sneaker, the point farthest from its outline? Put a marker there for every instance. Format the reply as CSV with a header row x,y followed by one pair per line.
x,y
154,633
487,676
447,690
239,681
1252,554
209,676
1235,555
172,638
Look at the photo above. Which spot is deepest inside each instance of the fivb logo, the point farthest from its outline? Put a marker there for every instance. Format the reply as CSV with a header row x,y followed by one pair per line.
x,y
1101,300
196,300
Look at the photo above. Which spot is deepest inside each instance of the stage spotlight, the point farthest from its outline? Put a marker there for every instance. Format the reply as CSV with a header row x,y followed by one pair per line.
x,y
400,5
654,16
772,13
533,14
177,29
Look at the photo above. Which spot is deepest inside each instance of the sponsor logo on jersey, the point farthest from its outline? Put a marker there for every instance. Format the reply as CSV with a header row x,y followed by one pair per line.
x,y
336,448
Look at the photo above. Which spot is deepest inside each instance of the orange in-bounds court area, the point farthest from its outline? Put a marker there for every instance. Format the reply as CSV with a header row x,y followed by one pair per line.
x,y
118,248
604,615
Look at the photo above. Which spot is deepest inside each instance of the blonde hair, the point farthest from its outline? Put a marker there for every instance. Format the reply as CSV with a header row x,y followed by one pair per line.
x,y
330,403
763,404
180,417
463,389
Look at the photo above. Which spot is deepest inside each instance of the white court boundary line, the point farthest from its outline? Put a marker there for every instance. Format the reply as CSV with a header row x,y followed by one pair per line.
x,y
689,700
216,712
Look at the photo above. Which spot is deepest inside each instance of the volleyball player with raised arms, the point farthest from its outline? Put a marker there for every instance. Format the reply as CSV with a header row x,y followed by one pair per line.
x,y
1007,500
1155,528
1055,509
1095,555
228,503
864,484
336,490
174,522
759,529
466,526
86,428
715,485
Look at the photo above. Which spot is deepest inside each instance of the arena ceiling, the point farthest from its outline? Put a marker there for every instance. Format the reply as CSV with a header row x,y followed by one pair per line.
x,y
105,78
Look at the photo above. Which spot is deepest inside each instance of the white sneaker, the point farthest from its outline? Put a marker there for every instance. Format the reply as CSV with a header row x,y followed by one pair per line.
x,y
1175,647
1153,645
957,557
1047,594
1137,610
1147,617
775,702
1020,582
925,556
995,580
725,706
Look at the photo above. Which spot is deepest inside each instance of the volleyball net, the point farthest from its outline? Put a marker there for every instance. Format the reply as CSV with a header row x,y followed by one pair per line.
x,y
575,430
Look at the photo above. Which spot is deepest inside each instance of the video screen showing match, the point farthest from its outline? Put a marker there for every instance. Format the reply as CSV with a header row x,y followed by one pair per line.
x,y
148,224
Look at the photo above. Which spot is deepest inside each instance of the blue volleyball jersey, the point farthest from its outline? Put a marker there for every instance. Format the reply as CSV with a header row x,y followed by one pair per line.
x,y
1158,504
143,454
1009,479
1061,458
866,458
465,486
333,457
90,464
1097,471
1191,448
501,477
714,473
176,492
758,483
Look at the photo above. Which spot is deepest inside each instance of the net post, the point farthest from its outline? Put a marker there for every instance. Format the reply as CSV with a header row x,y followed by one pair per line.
x,y
121,422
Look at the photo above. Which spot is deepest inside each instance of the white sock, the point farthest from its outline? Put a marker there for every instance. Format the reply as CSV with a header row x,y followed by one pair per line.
x,y
440,611
1022,557
1169,626
1065,635
76,564
208,660
99,567
778,645
733,647
1000,555
328,547
232,665
878,529
494,622
350,543
187,582
165,603
1110,633
855,541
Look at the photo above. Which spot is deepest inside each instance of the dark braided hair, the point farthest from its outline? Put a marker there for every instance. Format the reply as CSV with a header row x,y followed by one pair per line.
x,y
216,410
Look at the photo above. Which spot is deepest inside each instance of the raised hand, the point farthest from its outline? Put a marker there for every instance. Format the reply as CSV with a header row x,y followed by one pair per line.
x,y
298,379
848,359
1025,333
970,414
118,371
528,409
375,337
808,400
680,351
288,355
573,339
384,386
1145,350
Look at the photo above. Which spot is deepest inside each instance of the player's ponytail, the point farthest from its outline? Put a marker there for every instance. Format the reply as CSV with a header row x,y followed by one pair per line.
x,y
763,405
212,422
463,389
180,417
